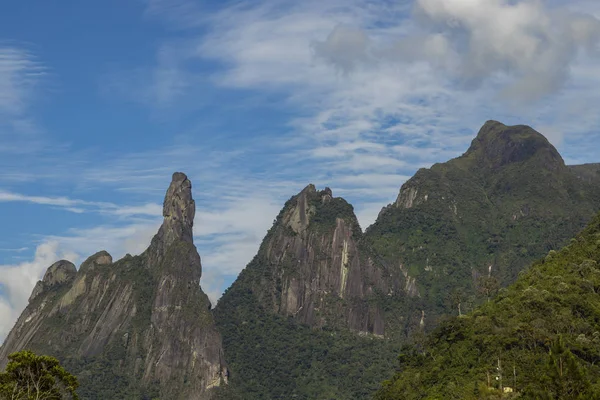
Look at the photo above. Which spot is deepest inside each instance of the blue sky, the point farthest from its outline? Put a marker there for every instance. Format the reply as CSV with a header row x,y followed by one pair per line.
x,y
101,101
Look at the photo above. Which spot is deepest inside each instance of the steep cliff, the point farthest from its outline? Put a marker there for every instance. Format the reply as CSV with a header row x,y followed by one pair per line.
x,y
139,327
305,305
309,265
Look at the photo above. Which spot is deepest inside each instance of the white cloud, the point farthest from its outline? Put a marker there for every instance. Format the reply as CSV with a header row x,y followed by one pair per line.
x,y
17,282
526,45
19,74
74,205
344,47
17,250
20,77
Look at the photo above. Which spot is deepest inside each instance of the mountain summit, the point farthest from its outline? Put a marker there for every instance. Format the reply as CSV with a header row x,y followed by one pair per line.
x,y
139,327
179,210
498,145
330,296
308,266
475,221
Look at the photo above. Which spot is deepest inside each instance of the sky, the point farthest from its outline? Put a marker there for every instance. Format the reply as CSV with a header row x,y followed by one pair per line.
x,y
100,102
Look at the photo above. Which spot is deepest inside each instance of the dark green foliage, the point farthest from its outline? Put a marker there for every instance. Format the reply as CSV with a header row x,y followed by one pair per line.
x,y
32,377
461,230
271,356
540,337
504,203
274,357
326,214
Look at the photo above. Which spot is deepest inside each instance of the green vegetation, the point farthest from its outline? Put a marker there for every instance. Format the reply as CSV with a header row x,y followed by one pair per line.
x,y
326,214
274,357
538,339
482,218
587,172
32,377
459,233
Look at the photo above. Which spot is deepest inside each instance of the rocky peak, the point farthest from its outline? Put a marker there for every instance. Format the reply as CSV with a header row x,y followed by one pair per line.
x,y
310,188
99,259
150,305
297,217
179,210
60,272
497,145
326,195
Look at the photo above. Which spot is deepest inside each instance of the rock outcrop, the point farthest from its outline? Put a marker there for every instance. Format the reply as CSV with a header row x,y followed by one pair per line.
x,y
140,327
317,272
310,267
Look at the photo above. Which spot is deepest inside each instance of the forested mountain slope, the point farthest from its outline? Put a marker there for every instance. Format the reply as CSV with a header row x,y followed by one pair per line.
x,y
300,320
464,228
321,296
538,339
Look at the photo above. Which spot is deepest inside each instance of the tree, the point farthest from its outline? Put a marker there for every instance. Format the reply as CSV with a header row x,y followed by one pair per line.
x,y
488,286
32,377
457,297
566,378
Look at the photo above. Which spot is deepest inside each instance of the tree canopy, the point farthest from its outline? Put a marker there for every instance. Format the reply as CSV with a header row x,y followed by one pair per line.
x,y
32,377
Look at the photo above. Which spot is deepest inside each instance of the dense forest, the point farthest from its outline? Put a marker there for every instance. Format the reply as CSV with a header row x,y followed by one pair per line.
x,y
538,339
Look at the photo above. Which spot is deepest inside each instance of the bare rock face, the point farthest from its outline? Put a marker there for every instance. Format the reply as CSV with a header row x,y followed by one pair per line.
x,y
313,268
140,327
61,272
97,260
179,210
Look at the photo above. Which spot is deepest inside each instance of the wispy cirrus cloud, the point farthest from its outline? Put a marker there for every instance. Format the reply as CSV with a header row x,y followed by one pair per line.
x,y
20,73
80,206
17,250
374,91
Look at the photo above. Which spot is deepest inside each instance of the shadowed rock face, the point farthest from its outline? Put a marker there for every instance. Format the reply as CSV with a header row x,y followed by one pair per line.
x,y
310,267
60,273
142,321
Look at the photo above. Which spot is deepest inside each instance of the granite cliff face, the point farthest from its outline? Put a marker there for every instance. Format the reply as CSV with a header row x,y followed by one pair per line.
x,y
306,308
454,228
140,327
310,267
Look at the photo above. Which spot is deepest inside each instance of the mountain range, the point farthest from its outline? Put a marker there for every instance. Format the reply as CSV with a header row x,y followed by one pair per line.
x,y
140,327
324,308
